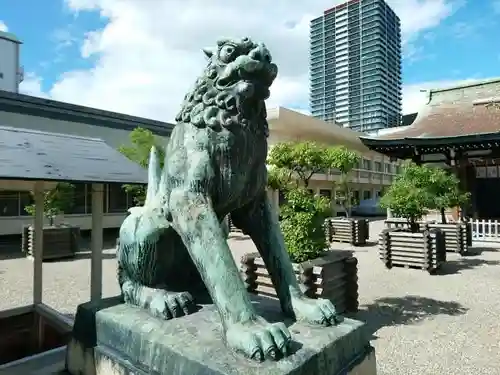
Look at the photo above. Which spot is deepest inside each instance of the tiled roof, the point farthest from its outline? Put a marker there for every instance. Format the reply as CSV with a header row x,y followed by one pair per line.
x,y
452,121
34,155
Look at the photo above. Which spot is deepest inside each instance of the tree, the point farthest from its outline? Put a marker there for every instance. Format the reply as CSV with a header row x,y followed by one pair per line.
x,y
409,195
419,189
300,159
278,178
345,160
56,201
446,188
141,141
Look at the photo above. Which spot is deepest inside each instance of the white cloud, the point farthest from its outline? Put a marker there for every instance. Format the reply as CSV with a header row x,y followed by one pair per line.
x,y
148,54
3,26
32,85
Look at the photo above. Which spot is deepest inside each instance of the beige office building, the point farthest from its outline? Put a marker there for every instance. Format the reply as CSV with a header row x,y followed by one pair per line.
x,y
374,172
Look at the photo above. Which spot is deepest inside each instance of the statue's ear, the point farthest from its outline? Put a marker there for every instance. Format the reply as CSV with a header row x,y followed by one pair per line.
x,y
208,52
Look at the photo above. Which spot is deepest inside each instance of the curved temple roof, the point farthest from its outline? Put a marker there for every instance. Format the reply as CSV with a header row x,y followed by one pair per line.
x,y
464,116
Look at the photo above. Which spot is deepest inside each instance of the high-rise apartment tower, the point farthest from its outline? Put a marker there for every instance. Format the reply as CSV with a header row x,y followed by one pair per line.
x,y
355,65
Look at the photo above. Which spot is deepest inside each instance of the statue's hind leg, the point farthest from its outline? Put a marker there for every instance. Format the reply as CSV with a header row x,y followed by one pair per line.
x,y
155,275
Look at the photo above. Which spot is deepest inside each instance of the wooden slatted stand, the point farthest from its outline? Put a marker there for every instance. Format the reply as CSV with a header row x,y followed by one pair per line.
x,y
423,250
59,241
333,276
353,231
458,236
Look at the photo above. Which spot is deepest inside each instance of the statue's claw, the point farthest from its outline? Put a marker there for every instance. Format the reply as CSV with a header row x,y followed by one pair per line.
x,y
316,311
168,305
258,339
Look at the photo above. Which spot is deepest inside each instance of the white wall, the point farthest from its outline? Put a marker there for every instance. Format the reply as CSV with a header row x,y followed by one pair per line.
x,y
9,65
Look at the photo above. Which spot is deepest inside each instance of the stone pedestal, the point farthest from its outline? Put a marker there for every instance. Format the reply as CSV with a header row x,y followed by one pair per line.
x,y
111,338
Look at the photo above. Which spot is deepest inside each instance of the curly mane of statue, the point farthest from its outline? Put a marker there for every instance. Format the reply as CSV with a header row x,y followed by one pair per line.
x,y
214,100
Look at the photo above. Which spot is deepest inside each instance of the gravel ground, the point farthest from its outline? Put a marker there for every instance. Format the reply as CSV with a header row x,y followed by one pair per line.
x,y
421,324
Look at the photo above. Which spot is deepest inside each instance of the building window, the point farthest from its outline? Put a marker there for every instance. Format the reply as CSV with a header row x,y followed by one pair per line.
x,y
367,164
378,166
367,194
79,203
327,193
117,198
9,203
25,199
355,195
388,168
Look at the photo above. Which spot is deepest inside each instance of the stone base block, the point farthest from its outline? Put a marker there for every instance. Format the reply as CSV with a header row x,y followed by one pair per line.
x,y
111,338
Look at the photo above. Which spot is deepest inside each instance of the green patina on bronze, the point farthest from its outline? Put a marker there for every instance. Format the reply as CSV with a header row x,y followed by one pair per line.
x,y
173,251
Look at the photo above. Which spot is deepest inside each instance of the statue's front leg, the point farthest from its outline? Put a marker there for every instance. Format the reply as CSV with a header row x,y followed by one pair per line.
x,y
260,222
198,226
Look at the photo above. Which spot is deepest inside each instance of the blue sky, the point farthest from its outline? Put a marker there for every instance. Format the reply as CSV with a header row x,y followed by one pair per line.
x,y
52,35
461,47
456,43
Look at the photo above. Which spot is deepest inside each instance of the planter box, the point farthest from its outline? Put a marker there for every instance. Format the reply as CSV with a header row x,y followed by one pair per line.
x,y
353,231
458,236
58,242
333,276
424,249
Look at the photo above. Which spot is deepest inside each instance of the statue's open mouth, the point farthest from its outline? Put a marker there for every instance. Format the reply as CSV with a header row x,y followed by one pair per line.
x,y
251,71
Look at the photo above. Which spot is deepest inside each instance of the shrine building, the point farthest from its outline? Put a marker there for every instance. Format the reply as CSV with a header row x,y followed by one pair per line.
x,y
458,128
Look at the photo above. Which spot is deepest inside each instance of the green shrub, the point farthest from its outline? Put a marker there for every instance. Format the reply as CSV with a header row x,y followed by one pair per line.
x,y
303,219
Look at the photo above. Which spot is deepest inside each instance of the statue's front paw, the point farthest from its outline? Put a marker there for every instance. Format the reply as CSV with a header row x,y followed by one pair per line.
x,y
317,311
258,339
169,305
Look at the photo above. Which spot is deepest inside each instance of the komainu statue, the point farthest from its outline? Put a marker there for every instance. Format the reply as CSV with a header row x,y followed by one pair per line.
x,y
174,248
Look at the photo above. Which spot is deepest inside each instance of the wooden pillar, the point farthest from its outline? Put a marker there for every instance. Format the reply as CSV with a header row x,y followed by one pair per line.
x,y
459,166
38,244
97,242
38,329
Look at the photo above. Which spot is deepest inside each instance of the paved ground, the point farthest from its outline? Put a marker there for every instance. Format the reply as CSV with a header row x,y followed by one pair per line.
x,y
421,324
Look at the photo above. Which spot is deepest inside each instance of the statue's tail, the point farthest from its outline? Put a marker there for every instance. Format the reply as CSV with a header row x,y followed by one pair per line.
x,y
154,176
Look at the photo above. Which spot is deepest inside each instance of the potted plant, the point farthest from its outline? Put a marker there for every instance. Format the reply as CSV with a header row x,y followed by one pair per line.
x,y
444,189
321,271
60,240
410,197
345,229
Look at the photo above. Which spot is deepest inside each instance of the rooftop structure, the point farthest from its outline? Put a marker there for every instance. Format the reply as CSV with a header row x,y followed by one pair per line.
x,y
11,72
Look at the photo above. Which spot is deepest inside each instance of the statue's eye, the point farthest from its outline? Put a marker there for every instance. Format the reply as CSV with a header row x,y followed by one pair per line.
x,y
227,53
